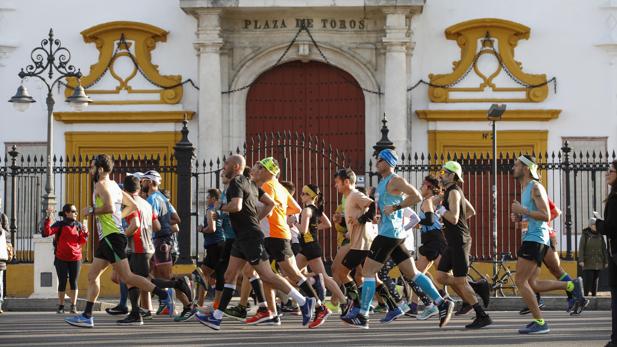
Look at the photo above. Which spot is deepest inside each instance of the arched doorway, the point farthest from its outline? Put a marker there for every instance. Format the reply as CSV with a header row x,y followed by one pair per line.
x,y
314,99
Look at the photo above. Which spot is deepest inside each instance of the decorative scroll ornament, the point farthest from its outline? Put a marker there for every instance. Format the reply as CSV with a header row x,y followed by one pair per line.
x,y
135,41
498,38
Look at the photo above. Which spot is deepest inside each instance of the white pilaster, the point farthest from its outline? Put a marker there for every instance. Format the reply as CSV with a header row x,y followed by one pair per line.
x,y
395,86
44,267
210,118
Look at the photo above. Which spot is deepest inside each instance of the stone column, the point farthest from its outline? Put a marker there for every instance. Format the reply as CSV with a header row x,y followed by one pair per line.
x,y
208,45
396,42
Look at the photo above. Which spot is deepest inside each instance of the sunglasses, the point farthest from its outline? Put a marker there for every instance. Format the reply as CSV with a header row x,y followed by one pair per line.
x,y
73,211
445,171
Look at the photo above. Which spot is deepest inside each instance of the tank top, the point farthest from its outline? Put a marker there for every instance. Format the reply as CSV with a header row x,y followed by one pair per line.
x,y
110,223
537,231
389,225
456,234
311,235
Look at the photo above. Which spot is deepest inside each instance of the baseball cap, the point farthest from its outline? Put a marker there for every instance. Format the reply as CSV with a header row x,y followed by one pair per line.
x,y
152,175
455,167
270,165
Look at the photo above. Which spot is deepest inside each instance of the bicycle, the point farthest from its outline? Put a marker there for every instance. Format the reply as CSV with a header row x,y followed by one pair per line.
x,y
502,280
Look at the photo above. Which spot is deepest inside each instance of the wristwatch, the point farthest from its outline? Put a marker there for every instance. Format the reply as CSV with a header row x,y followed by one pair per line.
x,y
90,210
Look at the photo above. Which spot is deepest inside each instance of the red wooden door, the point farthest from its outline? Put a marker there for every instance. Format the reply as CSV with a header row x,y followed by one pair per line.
x,y
314,99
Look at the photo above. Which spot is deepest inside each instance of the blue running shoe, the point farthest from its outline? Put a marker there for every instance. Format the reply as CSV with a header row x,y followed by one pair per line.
x,y
571,302
352,312
80,321
534,328
169,302
308,310
392,315
208,320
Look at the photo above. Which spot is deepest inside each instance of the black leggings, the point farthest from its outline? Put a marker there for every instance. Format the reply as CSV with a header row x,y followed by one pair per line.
x,y
67,269
590,281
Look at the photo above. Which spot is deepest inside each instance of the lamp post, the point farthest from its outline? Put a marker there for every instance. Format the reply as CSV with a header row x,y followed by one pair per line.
x,y
494,114
48,60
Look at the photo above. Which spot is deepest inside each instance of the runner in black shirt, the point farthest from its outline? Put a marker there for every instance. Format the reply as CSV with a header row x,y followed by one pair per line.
x,y
242,196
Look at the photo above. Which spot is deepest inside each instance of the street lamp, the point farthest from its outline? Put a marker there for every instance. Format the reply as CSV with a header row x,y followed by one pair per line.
x,y
51,57
494,114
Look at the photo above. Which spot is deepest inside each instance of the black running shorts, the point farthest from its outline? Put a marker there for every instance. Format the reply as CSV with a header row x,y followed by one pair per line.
x,y
214,253
278,249
433,245
112,248
456,258
311,251
140,263
251,250
384,247
354,258
533,251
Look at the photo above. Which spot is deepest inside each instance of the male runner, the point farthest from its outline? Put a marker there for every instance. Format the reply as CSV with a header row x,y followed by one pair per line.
x,y
107,207
455,258
393,195
242,196
533,214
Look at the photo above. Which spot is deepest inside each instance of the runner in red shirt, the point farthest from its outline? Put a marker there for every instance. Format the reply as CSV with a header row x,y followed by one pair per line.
x,y
69,236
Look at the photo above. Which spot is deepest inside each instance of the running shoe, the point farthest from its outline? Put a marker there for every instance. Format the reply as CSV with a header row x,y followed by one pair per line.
x,y
357,321
445,312
526,310
581,301
479,322
60,309
73,309
412,312
320,316
428,313
464,309
391,316
332,307
483,289
262,314
208,320
236,312
117,310
571,302
274,321
162,310
289,307
80,321
308,310
145,314
131,320
187,313
351,312
534,328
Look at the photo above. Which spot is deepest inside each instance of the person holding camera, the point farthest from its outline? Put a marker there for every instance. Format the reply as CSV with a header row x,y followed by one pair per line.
x,y
70,235
608,227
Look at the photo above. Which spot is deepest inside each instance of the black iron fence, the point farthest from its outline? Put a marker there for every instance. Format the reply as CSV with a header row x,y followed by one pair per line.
x,y
575,182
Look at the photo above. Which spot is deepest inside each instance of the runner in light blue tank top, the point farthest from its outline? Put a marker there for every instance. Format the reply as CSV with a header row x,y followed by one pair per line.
x,y
537,231
389,225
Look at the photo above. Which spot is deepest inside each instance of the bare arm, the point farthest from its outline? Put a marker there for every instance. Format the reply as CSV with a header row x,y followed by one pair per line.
x,y
453,213
324,222
307,213
540,199
211,227
156,225
268,206
469,210
235,205
127,201
412,195
135,224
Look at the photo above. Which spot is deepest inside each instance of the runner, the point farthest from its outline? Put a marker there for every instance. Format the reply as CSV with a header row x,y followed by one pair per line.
x,y
553,264
356,204
107,207
141,223
393,194
278,242
312,220
242,196
533,215
456,210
